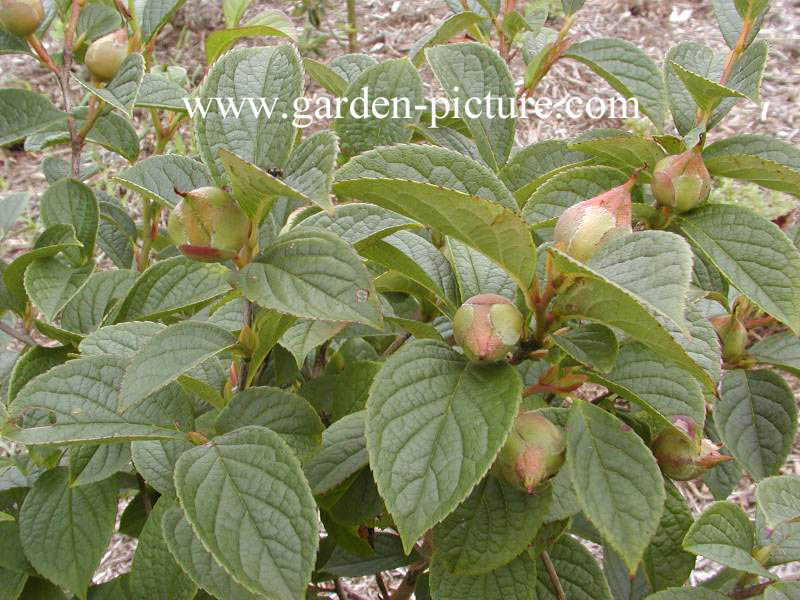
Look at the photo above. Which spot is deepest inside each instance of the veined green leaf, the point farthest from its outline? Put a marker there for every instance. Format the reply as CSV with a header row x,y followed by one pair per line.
x,y
157,178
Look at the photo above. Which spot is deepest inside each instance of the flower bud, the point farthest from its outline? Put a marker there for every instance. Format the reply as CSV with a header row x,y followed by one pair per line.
x,y
586,227
679,456
106,54
681,181
533,452
733,335
21,17
207,225
487,327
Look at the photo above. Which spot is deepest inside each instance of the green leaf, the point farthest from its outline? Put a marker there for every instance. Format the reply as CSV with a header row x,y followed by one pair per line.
x,y
312,274
779,499
621,584
764,160
152,15
701,343
731,23
624,501
513,581
157,178
756,417
782,591
696,593
533,165
748,71
116,234
274,74
490,528
269,327
569,187
304,336
254,189
751,9
121,92
429,164
51,284
125,339
592,345
572,6
97,20
360,128
155,573
442,33
155,461
474,70
11,206
706,94
628,70
70,202
325,76
662,389
665,562
65,530
388,555
171,353
696,59
625,152
35,361
577,570
12,583
285,413
12,44
343,453
23,113
434,425
86,310
351,389
83,398
476,274
219,42
310,168
158,91
172,285
359,224
724,534
780,350
485,226
252,477
753,254
350,66
196,561
13,557
90,464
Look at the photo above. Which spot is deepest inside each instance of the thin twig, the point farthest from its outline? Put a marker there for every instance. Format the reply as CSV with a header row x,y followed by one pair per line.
x,y
406,587
384,593
339,588
398,341
17,335
145,496
63,80
551,571
755,590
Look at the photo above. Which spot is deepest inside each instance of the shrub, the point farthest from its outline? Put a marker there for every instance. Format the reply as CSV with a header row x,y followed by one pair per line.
x,y
297,413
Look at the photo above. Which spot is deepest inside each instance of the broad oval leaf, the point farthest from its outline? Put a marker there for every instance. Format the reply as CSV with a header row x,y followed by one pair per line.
x,y
779,499
71,202
756,417
359,224
268,540
157,177
781,350
22,113
616,478
65,530
434,425
513,581
155,460
124,339
577,570
343,453
593,345
86,310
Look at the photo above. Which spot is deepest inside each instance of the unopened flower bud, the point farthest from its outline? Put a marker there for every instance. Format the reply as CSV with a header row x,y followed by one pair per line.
x,y
487,327
208,226
733,336
21,17
681,181
586,227
533,452
105,55
681,455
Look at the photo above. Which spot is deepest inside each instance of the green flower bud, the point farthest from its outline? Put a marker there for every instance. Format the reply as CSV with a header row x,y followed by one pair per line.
x,y
106,54
21,17
487,327
681,455
733,335
586,227
681,181
533,452
208,226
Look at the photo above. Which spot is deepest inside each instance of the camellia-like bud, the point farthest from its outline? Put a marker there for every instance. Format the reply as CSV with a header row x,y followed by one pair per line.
x,y
733,335
105,55
679,456
21,17
681,181
533,452
586,227
487,327
207,225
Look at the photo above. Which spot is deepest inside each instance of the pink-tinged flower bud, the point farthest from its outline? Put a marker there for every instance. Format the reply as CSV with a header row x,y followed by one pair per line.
x,y
586,227
487,327
681,181
683,458
105,55
533,452
733,336
21,17
208,226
